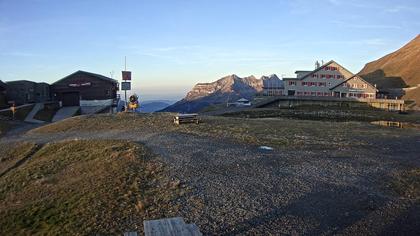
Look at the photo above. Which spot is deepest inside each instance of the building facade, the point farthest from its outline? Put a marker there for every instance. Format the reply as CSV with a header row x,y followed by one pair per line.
x,y
24,91
330,79
3,100
85,89
354,87
272,86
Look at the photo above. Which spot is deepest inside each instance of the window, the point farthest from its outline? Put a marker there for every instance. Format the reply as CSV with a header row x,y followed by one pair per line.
x,y
322,76
293,83
344,84
313,93
326,94
319,93
314,76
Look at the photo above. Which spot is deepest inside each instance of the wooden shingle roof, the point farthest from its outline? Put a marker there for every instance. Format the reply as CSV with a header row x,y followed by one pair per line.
x,y
91,74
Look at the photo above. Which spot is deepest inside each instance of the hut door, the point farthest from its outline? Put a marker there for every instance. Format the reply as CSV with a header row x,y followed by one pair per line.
x,y
71,99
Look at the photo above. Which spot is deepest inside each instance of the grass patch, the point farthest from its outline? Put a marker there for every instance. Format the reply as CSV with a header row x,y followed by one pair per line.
x,y
84,188
45,114
407,183
328,114
12,154
214,107
5,125
272,131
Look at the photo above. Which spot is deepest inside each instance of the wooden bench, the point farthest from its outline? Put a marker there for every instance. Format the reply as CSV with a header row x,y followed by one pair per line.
x,y
170,227
186,118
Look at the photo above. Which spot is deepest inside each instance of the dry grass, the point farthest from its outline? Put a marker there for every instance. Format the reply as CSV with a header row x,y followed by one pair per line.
x,y
407,183
5,126
272,131
329,114
12,154
84,188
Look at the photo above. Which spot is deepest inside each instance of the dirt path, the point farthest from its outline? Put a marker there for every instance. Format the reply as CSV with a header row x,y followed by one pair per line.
x,y
239,189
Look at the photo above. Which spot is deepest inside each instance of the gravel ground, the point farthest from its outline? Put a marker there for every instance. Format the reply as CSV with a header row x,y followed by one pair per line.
x,y
239,189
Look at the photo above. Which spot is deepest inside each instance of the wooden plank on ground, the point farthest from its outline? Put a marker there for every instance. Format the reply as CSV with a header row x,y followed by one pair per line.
x,y
130,234
169,227
186,118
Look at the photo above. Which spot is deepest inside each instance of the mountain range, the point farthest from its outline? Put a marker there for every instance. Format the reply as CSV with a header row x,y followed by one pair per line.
x,y
396,74
154,105
227,89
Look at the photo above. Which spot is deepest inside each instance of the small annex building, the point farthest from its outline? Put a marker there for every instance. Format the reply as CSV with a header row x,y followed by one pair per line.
x,y
243,102
354,87
25,91
84,88
272,86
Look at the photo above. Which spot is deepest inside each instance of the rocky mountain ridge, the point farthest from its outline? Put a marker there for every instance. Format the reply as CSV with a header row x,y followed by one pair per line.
x,y
227,89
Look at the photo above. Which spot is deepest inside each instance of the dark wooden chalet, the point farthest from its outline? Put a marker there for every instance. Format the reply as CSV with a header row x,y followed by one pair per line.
x,y
82,85
3,88
25,91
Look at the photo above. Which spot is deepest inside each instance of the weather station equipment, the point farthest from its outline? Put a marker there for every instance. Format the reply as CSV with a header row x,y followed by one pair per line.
x,y
133,104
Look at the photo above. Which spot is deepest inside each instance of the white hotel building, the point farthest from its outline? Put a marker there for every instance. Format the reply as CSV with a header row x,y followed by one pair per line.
x,y
329,80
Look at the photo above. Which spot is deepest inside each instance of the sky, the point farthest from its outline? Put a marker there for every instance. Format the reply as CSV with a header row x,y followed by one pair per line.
x,y
172,45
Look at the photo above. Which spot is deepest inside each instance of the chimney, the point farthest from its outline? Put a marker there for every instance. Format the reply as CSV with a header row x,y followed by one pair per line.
x,y
317,64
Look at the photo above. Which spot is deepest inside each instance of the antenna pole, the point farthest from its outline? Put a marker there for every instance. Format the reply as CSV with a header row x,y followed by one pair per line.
x,y
125,91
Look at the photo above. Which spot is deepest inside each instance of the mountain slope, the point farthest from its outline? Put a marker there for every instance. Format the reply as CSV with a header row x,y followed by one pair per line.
x,y
396,70
397,73
227,89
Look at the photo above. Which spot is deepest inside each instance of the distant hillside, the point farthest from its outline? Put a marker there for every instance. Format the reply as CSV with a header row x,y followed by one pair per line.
x,y
226,89
400,69
154,105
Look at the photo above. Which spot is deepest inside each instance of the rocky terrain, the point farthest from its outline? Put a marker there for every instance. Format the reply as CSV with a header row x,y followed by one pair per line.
x,y
226,89
397,73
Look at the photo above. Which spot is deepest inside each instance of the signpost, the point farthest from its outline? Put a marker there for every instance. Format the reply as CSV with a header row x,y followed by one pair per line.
x,y
13,108
126,76
126,86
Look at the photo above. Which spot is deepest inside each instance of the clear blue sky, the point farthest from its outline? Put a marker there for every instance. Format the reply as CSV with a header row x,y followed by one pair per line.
x,y
171,45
